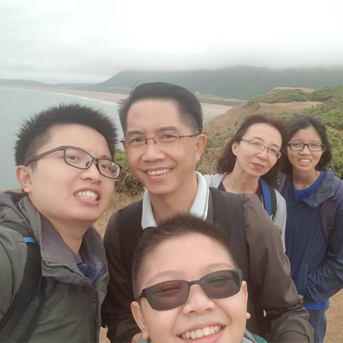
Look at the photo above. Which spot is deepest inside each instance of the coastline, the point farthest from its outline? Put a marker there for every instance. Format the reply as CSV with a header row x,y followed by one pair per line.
x,y
209,110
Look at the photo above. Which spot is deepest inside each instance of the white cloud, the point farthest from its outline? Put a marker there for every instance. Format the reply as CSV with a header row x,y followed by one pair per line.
x,y
90,41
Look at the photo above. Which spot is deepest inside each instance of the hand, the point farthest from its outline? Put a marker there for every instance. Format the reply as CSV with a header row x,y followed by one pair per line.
x,y
135,338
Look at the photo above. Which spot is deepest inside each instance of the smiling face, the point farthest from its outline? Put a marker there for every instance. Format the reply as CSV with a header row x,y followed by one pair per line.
x,y
305,160
163,169
218,320
253,163
63,193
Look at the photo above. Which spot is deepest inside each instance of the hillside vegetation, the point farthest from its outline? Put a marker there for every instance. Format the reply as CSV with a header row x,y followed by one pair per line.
x,y
241,82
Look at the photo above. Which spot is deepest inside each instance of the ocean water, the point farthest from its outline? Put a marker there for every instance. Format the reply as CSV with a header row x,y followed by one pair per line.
x,y
18,104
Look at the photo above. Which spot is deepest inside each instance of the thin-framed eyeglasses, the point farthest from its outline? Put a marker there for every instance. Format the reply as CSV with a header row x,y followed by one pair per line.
x,y
174,293
311,146
260,148
80,159
138,142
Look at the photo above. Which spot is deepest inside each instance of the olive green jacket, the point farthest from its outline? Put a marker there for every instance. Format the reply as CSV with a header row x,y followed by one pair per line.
x,y
71,310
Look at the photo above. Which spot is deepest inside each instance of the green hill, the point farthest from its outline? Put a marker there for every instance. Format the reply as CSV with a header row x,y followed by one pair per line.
x,y
238,82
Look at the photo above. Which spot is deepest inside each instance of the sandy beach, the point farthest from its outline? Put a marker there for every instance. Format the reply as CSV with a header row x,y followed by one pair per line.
x,y
209,110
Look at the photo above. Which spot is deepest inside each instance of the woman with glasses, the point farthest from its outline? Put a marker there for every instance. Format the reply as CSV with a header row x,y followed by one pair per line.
x,y
250,163
310,188
204,299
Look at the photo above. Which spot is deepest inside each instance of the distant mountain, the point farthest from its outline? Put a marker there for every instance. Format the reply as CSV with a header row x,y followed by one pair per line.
x,y
238,82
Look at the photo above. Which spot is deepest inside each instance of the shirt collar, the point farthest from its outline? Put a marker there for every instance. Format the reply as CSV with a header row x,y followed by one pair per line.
x,y
199,207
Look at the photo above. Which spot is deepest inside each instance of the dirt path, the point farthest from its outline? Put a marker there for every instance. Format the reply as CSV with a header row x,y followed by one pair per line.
x,y
295,106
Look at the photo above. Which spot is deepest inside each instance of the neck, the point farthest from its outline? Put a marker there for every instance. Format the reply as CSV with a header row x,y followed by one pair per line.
x,y
303,180
240,183
180,201
72,234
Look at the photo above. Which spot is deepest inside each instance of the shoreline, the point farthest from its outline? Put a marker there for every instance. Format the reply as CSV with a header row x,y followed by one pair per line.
x,y
209,110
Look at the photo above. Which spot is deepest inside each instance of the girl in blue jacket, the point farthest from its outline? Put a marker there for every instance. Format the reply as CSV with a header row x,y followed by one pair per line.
x,y
317,263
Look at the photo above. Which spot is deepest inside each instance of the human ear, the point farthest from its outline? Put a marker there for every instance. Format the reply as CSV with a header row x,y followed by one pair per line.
x,y
139,318
234,148
201,141
245,291
24,177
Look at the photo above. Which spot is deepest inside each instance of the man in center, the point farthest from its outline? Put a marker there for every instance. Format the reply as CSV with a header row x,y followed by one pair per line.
x,y
162,125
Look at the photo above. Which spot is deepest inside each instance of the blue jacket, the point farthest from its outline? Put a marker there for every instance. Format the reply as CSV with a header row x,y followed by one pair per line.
x,y
317,268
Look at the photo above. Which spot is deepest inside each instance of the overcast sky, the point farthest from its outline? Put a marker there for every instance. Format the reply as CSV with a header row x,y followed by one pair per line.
x,y
90,41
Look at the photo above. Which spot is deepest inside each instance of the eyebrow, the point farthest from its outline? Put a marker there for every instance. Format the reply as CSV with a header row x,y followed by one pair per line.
x,y
159,130
260,139
102,157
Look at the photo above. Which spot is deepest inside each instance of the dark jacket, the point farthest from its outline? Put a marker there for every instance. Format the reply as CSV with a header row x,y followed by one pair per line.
x,y
286,320
317,267
71,309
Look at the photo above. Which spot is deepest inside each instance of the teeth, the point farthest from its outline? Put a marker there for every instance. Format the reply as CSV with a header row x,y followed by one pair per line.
x,y
159,172
207,331
86,195
305,160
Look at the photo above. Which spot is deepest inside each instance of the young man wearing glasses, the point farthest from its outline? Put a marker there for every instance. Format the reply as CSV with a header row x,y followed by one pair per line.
x,y
64,158
162,124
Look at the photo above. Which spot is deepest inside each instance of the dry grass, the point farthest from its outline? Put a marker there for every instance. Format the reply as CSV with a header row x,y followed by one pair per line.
x,y
305,90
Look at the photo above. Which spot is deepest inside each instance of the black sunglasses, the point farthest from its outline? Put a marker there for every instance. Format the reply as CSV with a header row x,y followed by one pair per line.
x,y
170,294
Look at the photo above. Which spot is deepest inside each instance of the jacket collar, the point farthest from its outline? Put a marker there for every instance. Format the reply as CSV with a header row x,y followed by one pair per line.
x,y
324,191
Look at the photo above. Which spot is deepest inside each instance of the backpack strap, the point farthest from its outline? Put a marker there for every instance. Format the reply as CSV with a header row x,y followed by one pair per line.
x,y
31,288
130,231
228,214
269,198
329,208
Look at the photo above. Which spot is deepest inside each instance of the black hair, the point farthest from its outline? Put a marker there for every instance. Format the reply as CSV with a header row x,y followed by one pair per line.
x,y
227,160
188,104
178,226
303,122
34,132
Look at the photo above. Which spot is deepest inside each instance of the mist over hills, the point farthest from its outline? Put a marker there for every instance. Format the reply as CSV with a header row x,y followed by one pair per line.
x,y
238,82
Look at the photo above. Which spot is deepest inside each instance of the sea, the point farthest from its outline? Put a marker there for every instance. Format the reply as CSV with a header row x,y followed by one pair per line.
x,y
16,105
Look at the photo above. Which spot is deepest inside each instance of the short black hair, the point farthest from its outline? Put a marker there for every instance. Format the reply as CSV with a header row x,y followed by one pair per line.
x,y
227,160
177,226
34,132
188,104
303,122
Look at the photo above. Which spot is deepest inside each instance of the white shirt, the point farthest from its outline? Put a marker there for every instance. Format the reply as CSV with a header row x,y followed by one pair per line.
x,y
199,207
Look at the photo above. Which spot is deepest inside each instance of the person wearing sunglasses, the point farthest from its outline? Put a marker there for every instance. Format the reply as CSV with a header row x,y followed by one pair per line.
x,y
314,239
250,163
52,261
205,298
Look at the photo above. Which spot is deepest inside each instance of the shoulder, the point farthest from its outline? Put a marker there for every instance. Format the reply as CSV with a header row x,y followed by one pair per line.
x,y
128,215
214,180
256,218
13,252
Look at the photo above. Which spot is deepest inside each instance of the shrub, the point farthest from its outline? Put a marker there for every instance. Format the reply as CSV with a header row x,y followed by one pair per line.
x,y
126,183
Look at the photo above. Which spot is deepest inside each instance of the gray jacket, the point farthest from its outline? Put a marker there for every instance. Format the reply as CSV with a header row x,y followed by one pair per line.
x,y
71,310
280,217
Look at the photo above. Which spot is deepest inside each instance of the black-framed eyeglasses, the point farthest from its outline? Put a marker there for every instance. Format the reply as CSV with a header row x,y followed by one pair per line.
x,y
137,142
81,159
260,148
170,294
301,146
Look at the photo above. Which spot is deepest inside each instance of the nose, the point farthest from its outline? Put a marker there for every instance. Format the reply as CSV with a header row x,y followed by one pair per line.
x,y
152,152
264,154
92,173
198,302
